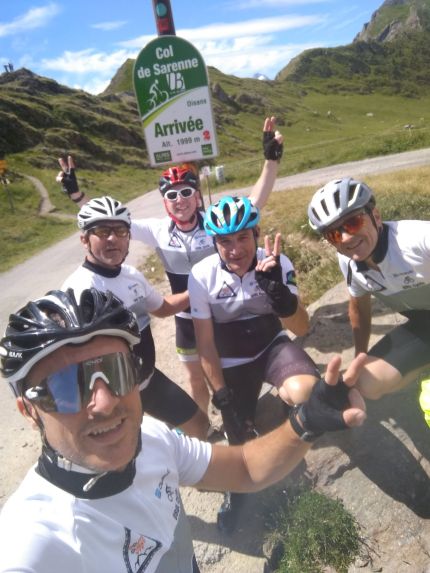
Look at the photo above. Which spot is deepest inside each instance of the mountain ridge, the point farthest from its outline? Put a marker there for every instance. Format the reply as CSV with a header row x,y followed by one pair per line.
x,y
41,118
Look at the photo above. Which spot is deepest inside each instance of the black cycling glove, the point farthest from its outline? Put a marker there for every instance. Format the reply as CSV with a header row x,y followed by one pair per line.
x,y
323,411
69,183
237,430
272,149
282,300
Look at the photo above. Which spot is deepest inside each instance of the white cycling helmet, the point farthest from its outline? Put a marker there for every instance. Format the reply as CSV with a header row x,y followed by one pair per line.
x,y
102,209
336,199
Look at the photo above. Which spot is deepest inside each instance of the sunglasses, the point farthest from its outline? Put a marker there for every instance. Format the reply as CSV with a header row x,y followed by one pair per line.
x,y
351,226
69,390
105,232
172,194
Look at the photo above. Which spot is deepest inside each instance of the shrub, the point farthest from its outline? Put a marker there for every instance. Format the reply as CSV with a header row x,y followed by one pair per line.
x,y
318,532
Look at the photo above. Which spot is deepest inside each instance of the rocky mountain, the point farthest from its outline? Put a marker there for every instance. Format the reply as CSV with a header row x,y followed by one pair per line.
x,y
394,19
390,56
391,53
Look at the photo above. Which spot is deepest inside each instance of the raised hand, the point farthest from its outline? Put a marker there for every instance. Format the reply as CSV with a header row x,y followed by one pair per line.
x,y
67,176
272,140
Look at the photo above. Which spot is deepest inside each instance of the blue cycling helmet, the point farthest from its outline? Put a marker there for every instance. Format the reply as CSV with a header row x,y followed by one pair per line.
x,y
230,215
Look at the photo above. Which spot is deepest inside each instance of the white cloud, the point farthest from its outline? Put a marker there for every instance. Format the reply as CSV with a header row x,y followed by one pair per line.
x,y
86,61
222,31
33,18
247,4
245,60
108,26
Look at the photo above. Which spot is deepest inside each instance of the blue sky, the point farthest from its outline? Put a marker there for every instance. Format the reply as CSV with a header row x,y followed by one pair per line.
x,y
82,43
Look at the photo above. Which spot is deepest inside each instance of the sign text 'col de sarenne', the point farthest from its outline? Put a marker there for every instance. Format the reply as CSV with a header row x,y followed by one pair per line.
x,y
173,97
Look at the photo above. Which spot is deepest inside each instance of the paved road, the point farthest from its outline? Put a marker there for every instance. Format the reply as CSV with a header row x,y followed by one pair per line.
x,y
48,270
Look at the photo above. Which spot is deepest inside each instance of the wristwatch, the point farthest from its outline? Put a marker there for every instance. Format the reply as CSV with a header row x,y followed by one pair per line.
x,y
305,435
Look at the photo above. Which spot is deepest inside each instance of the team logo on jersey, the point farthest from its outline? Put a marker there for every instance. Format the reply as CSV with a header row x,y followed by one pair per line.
x,y
291,278
226,291
138,551
175,242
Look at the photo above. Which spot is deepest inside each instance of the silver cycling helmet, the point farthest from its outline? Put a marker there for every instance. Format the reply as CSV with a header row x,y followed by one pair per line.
x,y
336,199
102,209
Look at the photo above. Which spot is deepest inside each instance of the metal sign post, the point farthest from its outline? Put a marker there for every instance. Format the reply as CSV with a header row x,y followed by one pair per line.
x,y
173,97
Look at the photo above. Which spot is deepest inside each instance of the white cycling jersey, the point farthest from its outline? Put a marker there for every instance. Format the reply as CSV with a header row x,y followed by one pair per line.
x,y
127,283
178,250
142,529
403,258
244,321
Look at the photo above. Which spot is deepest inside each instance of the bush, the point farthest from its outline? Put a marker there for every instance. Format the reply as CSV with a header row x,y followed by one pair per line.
x,y
318,532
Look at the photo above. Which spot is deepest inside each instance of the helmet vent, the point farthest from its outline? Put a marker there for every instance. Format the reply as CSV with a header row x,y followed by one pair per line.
x,y
324,206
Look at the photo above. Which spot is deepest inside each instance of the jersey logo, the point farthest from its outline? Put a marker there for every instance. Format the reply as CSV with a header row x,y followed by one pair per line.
x,y
175,242
138,551
291,278
226,291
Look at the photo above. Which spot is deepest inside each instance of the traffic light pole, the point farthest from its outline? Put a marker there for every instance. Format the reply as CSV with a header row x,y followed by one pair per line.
x,y
163,17
166,27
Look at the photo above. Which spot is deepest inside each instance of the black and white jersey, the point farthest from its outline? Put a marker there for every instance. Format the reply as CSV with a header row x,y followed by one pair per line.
x,y
403,258
143,528
127,283
179,251
244,321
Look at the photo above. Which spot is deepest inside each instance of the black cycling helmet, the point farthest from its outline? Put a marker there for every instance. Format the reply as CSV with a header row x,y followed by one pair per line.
x,y
336,199
57,319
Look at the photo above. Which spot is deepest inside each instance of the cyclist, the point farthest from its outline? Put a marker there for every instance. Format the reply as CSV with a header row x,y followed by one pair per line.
x,y
104,494
390,260
241,299
105,234
180,240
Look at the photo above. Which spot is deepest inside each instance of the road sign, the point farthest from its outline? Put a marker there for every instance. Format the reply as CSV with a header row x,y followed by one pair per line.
x,y
173,97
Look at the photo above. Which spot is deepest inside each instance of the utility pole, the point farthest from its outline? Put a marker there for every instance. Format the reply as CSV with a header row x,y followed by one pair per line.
x,y
163,17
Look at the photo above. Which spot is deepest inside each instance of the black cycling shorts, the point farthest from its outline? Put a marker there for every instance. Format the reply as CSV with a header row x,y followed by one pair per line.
x,y
281,360
406,347
165,400
185,338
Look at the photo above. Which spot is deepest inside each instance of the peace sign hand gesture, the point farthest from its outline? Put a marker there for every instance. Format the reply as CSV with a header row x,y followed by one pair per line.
x,y
268,274
67,176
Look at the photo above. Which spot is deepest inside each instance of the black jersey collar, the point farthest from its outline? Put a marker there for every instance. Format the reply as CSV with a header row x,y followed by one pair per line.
x,y
380,251
84,484
103,271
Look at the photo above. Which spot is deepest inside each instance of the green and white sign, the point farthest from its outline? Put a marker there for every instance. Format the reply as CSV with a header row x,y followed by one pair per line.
x,y
173,97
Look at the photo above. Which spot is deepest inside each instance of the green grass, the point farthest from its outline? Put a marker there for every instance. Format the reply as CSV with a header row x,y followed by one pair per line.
x,y
24,232
316,532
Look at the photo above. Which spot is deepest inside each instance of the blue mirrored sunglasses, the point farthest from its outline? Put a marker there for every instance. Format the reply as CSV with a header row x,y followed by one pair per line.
x,y
69,390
